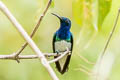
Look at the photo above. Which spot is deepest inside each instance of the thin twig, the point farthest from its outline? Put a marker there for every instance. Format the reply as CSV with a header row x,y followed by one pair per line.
x,y
24,34
84,71
60,57
107,43
86,68
110,36
35,29
86,60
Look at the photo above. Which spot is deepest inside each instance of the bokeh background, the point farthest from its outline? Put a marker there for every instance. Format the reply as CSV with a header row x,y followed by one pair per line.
x,y
92,22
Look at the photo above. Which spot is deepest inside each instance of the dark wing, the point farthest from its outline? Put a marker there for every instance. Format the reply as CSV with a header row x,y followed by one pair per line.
x,y
71,42
53,44
65,68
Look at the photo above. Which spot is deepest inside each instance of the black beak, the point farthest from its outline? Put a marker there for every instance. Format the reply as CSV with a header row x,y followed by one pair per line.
x,y
56,16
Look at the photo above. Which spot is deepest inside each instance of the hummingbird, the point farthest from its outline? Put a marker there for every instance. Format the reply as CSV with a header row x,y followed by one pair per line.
x,y
63,39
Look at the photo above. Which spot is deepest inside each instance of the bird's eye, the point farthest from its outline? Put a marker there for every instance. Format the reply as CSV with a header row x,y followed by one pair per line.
x,y
66,21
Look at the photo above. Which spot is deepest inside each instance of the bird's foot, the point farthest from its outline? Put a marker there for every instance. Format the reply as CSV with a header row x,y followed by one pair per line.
x,y
57,53
69,53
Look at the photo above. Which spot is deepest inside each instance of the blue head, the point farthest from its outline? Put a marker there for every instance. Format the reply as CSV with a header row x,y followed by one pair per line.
x,y
65,23
64,31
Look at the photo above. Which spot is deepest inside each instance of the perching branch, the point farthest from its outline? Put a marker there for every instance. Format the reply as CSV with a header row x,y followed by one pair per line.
x,y
61,56
13,56
34,30
24,34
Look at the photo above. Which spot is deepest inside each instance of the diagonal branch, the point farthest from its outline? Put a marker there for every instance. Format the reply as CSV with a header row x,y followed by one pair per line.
x,y
110,36
107,44
61,56
34,30
24,34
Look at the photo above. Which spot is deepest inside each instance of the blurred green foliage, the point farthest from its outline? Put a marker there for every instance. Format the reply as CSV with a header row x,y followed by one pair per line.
x,y
89,40
104,7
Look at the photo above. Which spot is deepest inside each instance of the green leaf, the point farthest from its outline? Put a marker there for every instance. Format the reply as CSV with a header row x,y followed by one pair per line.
x,y
90,13
77,10
82,12
103,9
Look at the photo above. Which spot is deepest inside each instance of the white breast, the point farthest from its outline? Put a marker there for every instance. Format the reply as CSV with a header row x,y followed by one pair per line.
x,y
60,46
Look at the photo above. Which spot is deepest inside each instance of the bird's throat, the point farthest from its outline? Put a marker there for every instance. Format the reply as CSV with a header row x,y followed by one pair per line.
x,y
63,34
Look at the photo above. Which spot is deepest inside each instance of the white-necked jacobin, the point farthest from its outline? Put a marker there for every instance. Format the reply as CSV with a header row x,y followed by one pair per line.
x,y
63,39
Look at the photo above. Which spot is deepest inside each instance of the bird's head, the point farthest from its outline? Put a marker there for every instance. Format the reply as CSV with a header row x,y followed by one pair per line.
x,y
65,22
